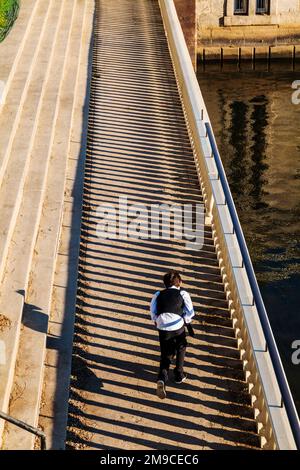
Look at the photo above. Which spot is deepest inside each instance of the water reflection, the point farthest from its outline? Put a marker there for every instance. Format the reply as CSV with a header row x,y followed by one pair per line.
x,y
258,125
257,130
237,138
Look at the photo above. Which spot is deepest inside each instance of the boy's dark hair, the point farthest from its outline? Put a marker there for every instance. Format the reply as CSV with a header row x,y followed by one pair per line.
x,y
172,278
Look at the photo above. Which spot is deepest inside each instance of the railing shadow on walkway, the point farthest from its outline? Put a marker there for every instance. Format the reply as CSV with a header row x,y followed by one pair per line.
x,y
110,348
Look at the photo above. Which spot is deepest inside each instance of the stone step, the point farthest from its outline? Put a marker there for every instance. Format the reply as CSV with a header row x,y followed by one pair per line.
x,y
29,160
16,94
12,48
38,278
57,369
22,146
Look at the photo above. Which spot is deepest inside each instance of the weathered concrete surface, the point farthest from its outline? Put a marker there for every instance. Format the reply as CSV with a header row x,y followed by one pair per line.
x,y
277,52
186,11
138,147
54,403
234,54
39,221
218,27
249,35
18,136
12,48
212,13
230,53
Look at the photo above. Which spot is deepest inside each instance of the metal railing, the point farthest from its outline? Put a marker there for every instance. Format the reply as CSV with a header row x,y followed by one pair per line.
x,y
26,427
274,408
271,344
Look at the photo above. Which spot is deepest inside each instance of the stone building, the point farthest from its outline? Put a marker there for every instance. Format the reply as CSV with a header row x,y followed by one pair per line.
x,y
212,13
248,23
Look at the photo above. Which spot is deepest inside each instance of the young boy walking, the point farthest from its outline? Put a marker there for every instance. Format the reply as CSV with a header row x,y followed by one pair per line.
x,y
171,309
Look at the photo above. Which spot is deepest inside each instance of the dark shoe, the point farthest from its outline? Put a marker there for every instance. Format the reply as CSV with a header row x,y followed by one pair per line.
x,y
161,389
181,379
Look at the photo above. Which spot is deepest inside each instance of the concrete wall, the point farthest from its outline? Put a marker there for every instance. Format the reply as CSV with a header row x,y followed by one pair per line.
x,y
210,12
214,13
281,12
288,6
217,25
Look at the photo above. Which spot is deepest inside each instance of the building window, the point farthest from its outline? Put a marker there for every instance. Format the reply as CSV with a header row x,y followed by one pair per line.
x,y
240,7
262,7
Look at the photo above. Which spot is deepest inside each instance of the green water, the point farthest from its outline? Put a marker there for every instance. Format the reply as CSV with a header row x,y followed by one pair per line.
x,y
257,128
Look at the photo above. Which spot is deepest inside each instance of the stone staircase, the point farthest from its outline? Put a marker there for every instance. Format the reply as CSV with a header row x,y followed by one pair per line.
x,y
39,67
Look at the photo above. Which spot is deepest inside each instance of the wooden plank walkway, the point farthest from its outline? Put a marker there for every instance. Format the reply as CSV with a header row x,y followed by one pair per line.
x,y
138,147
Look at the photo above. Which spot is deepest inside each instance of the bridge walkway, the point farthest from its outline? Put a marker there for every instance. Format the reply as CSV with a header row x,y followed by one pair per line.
x,y
138,147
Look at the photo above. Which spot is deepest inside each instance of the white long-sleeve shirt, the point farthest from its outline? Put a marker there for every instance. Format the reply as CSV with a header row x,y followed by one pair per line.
x,y
171,321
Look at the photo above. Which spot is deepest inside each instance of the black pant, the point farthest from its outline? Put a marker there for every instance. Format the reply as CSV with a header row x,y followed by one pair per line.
x,y
172,343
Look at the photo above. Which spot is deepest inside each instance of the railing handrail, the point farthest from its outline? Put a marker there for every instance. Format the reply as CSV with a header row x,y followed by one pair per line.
x,y
287,397
26,427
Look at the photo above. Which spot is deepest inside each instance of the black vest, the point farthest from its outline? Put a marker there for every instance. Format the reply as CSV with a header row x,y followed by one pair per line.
x,y
171,301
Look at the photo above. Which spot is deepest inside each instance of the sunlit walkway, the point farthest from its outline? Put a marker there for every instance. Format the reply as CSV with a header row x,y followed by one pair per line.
x,y
139,147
